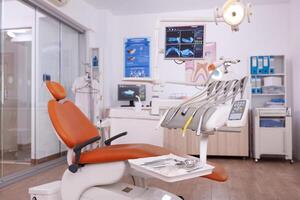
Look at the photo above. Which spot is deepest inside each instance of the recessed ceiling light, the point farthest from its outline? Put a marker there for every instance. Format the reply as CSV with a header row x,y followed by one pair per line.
x,y
11,34
19,30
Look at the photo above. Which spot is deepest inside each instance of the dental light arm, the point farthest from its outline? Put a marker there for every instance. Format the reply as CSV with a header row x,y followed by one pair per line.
x,y
226,63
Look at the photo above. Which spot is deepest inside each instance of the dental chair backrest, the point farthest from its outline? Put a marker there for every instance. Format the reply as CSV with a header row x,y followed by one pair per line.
x,y
71,125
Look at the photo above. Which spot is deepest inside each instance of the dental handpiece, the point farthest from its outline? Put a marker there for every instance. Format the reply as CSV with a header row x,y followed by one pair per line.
x,y
217,88
211,86
224,87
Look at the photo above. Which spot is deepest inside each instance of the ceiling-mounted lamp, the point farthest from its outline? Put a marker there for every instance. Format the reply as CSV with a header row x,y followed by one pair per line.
x,y
19,31
233,13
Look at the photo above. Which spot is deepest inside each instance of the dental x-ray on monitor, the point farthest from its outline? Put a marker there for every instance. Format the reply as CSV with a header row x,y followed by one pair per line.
x,y
185,42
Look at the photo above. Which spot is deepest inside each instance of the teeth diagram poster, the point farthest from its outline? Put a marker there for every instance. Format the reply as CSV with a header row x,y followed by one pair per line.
x,y
197,71
137,58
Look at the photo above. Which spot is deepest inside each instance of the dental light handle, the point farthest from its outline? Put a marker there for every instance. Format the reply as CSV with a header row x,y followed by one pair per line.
x,y
223,62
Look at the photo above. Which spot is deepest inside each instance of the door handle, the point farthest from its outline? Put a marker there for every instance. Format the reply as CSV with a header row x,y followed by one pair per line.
x,y
5,94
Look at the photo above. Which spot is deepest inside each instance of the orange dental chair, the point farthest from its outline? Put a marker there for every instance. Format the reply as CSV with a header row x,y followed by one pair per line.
x,y
95,174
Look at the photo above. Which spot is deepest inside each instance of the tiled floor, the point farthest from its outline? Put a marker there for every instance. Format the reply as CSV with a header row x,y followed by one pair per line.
x,y
266,180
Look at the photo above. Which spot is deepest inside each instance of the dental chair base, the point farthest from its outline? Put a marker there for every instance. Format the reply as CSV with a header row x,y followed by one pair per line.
x,y
121,191
83,186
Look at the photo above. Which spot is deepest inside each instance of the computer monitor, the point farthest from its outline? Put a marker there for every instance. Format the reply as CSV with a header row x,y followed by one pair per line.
x,y
185,42
129,93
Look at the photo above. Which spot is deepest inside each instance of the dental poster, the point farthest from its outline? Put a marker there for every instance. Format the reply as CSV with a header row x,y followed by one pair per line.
x,y
137,58
197,71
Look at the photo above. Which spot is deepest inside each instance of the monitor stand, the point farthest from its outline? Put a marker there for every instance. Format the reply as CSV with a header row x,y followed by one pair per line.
x,y
131,104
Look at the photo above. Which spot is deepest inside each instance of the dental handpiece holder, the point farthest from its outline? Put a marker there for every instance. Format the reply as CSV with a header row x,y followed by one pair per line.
x,y
213,109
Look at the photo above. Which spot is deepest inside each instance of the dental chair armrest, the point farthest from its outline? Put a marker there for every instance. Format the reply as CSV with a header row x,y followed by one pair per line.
x,y
110,140
77,150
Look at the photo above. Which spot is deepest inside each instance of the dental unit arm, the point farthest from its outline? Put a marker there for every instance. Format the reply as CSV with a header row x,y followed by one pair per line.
x,y
210,111
96,173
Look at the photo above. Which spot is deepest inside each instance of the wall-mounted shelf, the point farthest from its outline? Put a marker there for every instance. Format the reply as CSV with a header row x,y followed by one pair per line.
x,y
261,69
262,95
263,75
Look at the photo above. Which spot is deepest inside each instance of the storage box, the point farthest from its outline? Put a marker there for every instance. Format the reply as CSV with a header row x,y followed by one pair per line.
x,y
260,66
266,65
254,64
49,191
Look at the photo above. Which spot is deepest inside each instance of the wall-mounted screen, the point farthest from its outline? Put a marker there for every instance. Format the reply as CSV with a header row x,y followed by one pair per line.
x,y
185,42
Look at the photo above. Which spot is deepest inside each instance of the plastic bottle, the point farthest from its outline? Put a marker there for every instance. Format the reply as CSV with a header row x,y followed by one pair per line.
x,y
95,61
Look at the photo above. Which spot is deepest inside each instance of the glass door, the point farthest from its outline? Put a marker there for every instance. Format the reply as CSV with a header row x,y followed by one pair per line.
x,y
1,60
47,68
16,81
34,47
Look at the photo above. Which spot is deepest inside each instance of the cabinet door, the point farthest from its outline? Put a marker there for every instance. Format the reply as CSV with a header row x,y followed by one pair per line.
x,y
272,140
229,144
219,144
174,141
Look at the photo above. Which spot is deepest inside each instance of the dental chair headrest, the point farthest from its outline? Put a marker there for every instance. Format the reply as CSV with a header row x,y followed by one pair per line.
x,y
57,90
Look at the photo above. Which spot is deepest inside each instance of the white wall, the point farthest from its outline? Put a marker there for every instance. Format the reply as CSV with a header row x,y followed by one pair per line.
x,y
267,34
295,53
98,36
23,16
88,16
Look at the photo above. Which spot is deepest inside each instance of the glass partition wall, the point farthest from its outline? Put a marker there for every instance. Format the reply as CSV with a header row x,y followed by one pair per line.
x,y
34,47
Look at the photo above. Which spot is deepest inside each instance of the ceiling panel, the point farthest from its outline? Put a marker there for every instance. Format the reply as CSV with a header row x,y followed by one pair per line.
x,y
157,6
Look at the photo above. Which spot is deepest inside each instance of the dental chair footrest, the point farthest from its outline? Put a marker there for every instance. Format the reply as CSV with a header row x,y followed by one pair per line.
x,y
49,191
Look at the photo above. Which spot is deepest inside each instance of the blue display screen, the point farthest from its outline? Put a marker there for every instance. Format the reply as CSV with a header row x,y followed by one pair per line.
x,y
137,58
184,42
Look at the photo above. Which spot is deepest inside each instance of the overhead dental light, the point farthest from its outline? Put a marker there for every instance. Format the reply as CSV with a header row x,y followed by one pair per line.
x,y
233,13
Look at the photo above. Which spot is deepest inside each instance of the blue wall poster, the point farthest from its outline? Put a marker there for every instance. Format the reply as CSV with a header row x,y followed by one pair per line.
x,y
137,58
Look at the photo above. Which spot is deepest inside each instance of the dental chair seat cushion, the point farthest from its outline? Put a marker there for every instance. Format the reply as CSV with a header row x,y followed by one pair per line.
x,y
124,152
121,152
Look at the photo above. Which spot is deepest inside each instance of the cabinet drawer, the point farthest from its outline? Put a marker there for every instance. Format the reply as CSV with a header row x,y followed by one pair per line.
x,y
272,122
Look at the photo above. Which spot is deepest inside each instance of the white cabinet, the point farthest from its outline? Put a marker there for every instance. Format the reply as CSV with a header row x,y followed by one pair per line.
x,y
273,132
219,144
141,127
